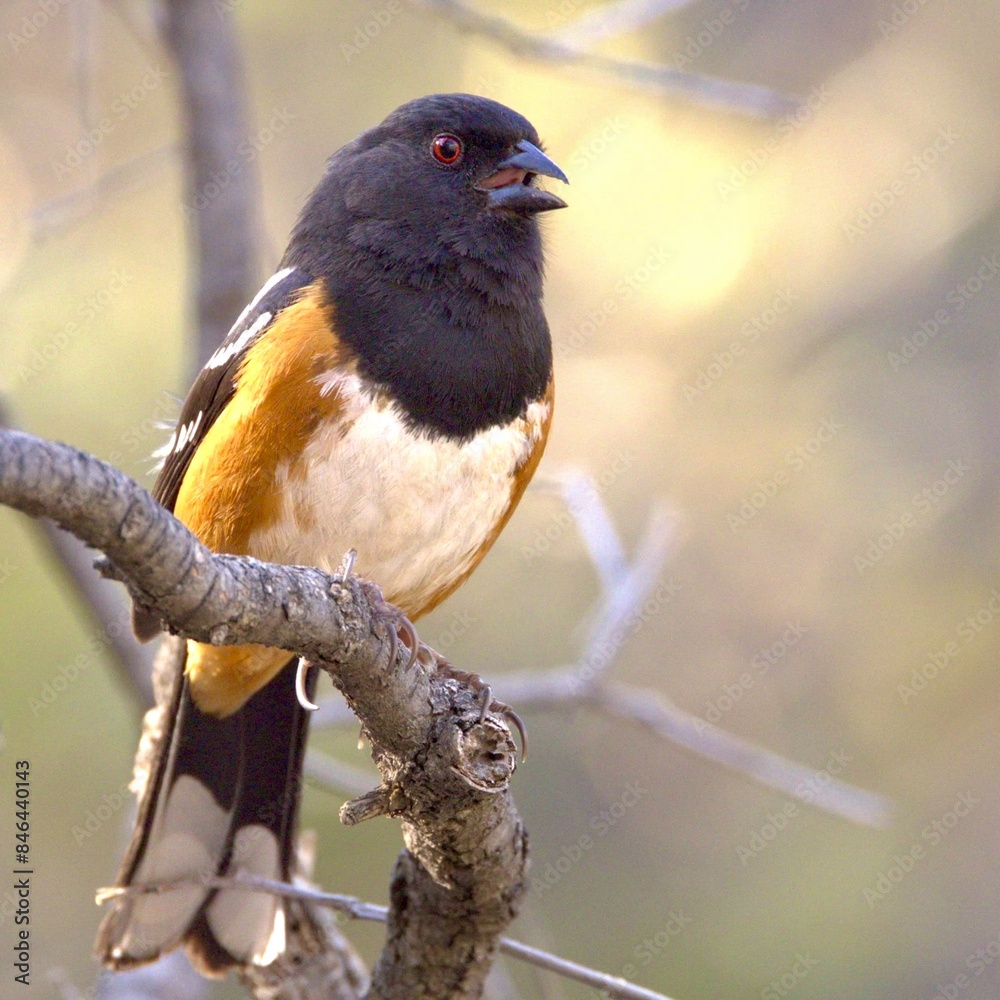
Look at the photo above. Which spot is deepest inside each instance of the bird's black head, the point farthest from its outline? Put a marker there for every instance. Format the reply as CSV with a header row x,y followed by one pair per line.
x,y
425,230
450,158
445,173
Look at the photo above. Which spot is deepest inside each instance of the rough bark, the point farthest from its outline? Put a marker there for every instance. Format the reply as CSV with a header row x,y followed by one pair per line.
x,y
445,771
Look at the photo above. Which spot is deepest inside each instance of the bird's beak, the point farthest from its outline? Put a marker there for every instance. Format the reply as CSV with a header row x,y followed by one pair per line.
x,y
509,186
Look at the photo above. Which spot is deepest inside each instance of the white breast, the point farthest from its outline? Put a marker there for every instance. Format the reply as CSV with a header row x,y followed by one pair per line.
x,y
418,509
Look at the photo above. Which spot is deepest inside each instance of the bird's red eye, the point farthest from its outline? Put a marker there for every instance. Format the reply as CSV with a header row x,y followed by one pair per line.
x,y
447,149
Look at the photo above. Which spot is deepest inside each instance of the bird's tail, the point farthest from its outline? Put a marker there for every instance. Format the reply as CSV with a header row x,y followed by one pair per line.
x,y
221,798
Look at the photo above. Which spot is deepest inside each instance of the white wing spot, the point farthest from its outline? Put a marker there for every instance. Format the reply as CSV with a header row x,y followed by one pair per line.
x,y
268,285
187,432
227,351
195,425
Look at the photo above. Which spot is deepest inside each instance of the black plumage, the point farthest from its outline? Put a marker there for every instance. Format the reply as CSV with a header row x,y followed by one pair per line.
x,y
440,300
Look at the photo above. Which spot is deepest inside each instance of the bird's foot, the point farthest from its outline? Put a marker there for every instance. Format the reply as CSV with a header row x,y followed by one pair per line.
x,y
396,624
484,694
399,627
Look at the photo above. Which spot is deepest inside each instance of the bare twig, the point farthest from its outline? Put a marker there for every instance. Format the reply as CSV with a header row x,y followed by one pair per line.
x,y
593,521
809,785
725,95
614,19
626,601
357,909
626,593
612,986
350,906
104,602
561,689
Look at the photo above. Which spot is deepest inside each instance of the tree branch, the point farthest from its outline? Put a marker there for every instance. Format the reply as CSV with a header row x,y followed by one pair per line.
x,y
445,771
620,17
725,95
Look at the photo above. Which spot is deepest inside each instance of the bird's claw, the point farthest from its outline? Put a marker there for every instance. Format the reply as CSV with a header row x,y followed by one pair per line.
x,y
410,639
399,627
346,567
484,694
301,680
512,717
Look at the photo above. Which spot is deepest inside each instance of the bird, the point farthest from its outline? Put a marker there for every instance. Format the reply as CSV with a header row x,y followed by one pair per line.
x,y
388,392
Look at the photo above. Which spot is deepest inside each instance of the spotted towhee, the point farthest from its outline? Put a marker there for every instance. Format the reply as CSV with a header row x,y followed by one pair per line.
x,y
388,390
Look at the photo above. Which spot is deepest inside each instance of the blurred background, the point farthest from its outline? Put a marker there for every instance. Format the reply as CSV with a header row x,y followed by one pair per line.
x,y
783,326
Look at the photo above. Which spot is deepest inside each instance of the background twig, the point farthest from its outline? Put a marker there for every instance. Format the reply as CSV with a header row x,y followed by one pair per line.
x,y
103,601
724,95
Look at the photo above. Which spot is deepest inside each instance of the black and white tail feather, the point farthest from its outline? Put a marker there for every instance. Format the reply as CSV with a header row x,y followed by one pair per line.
x,y
221,798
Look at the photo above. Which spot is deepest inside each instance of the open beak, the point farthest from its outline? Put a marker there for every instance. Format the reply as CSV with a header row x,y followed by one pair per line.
x,y
509,186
